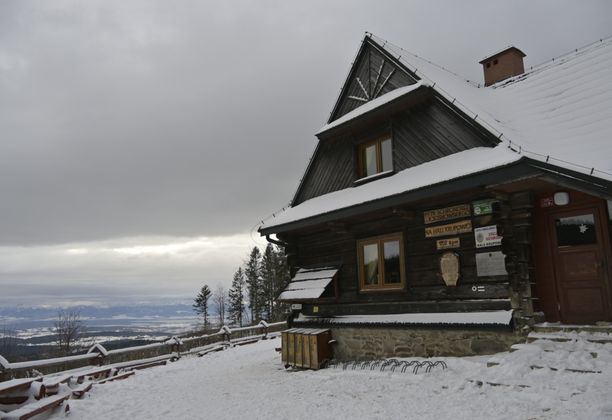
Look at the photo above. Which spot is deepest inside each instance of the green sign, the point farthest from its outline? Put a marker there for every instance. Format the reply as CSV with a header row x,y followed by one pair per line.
x,y
483,207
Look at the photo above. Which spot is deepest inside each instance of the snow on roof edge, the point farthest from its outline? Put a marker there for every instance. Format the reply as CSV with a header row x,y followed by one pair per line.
x,y
488,158
503,317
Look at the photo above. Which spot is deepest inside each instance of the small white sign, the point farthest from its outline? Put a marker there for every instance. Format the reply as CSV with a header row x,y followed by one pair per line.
x,y
491,264
487,236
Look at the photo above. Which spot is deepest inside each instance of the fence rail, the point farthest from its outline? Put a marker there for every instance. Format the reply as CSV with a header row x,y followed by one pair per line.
x,y
98,355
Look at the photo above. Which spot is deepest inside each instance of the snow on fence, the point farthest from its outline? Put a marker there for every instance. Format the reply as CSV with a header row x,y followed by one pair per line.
x,y
98,355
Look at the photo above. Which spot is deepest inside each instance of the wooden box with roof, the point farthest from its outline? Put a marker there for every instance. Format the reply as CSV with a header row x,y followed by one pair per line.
x,y
439,216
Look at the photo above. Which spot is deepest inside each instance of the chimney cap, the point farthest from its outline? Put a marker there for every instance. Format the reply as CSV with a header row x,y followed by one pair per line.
x,y
504,51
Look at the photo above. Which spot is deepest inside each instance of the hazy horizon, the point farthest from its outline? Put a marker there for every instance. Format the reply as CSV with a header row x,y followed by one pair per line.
x,y
143,141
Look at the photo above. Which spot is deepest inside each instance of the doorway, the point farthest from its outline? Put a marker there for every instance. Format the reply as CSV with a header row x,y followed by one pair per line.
x,y
578,247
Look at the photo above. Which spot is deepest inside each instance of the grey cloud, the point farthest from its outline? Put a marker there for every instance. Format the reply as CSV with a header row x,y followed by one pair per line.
x,y
190,118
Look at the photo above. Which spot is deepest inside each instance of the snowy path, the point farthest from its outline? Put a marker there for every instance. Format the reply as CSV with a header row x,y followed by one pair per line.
x,y
250,383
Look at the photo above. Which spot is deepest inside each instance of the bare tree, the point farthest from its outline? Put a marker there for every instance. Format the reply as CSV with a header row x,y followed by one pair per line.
x,y
220,300
69,328
8,342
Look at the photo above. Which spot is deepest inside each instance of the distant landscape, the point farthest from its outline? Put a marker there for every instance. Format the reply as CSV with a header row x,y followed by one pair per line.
x,y
32,335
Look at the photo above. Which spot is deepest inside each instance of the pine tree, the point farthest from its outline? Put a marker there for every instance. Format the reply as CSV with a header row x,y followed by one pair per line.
x,y
282,277
253,283
268,276
200,305
236,298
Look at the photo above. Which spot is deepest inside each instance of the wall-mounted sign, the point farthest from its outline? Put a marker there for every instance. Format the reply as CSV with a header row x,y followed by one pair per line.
x,y
449,268
449,229
487,236
449,243
483,207
547,202
491,264
447,213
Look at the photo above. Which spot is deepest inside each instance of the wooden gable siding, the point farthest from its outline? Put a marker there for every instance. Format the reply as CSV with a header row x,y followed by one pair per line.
x,y
426,133
332,169
367,69
423,281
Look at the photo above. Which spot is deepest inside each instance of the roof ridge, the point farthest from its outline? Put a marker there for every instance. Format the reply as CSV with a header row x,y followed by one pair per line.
x,y
385,42
584,48
555,61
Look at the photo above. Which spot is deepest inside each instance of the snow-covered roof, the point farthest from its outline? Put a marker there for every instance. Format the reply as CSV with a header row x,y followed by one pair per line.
x,y
442,318
559,112
449,167
308,284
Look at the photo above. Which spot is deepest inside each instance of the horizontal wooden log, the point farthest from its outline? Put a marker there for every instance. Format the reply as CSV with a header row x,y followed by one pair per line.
x,y
408,307
34,409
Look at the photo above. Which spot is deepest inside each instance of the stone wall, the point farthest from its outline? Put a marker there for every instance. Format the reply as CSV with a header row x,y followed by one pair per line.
x,y
379,343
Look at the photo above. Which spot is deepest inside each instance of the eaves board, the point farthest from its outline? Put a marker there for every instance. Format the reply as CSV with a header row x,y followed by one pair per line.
x,y
572,179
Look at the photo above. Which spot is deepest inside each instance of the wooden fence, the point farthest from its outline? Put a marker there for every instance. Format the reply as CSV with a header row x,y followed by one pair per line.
x,y
98,355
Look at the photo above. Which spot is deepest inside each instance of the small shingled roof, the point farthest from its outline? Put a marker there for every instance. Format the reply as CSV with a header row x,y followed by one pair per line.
x,y
308,284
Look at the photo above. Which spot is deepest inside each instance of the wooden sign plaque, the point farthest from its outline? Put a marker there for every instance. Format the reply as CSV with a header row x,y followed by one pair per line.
x,y
448,243
449,229
447,213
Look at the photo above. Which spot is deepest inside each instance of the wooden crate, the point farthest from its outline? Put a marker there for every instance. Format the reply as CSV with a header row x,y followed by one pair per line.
x,y
306,347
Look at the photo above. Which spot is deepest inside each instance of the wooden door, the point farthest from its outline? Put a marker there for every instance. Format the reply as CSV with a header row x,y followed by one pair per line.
x,y
578,248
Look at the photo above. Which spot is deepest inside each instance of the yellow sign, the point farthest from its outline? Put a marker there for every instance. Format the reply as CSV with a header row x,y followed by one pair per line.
x,y
447,213
449,243
449,229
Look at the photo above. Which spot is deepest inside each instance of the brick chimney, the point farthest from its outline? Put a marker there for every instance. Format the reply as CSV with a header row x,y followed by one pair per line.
x,y
501,65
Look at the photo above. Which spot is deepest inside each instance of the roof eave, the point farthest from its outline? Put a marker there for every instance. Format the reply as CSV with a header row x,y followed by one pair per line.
x,y
517,169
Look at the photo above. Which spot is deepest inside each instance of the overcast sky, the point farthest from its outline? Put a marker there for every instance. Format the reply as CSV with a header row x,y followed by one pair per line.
x,y
141,141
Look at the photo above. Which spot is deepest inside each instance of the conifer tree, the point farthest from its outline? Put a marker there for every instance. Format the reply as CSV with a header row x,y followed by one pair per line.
x,y
283,277
236,298
253,283
268,276
200,305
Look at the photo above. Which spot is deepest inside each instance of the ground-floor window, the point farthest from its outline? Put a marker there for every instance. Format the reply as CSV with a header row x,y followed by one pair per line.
x,y
381,262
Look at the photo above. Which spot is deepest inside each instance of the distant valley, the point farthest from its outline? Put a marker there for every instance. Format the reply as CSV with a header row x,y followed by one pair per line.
x,y
27,332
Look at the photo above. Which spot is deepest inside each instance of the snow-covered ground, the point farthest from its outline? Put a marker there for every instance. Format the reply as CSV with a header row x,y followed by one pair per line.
x,y
250,382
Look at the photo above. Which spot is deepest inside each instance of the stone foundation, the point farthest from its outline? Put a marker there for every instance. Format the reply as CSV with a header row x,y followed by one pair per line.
x,y
380,343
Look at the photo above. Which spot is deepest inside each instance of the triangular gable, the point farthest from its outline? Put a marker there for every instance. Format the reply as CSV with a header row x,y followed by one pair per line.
x,y
373,73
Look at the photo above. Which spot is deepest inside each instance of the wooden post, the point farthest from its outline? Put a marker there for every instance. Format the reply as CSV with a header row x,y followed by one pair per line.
x,y
519,233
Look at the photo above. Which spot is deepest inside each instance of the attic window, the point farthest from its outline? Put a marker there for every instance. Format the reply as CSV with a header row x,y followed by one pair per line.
x,y
375,156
